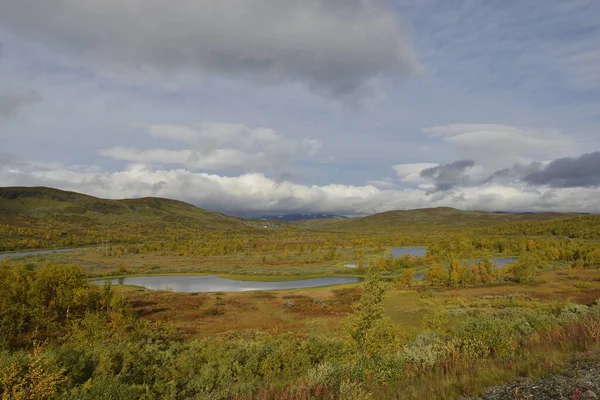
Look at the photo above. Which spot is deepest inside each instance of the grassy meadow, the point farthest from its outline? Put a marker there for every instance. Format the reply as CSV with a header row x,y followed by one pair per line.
x,y
462,328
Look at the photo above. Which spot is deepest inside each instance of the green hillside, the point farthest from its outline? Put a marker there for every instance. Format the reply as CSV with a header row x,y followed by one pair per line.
x,y
442,217
35,205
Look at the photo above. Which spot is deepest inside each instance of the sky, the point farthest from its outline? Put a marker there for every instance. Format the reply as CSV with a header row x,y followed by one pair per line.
x,y
352,107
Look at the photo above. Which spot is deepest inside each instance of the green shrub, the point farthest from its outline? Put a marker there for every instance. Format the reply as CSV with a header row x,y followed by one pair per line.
x,y
572,313
488,335
104,389
423,352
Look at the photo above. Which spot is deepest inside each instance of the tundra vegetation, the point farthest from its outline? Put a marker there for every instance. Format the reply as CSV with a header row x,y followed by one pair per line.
x,y
466,325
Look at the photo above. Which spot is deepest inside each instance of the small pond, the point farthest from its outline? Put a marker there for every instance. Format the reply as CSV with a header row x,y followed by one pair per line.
x,y
411,251
211,283
398,252
501,262
498,262
33,253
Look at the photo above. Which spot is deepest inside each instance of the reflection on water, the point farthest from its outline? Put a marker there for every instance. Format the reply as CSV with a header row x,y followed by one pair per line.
x,y
195,284
498,262
399,252
33,253
411,251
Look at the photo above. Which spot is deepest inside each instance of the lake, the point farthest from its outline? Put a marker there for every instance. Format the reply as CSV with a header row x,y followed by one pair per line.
x,y
211,283
33,253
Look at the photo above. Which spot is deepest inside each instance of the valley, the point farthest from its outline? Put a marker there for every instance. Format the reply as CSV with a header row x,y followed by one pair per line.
x,y
217,306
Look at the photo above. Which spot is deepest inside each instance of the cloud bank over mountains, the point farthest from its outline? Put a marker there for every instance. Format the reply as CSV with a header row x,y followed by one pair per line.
x,y
564,184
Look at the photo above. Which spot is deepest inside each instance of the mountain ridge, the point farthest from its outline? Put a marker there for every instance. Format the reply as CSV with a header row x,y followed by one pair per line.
x,y
396,220
19,204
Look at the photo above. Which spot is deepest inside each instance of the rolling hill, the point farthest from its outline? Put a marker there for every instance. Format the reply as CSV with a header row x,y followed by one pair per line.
x,y
26,205
441,217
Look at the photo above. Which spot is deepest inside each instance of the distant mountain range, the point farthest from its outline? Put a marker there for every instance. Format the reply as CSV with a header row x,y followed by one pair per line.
x,y
299,217
35,206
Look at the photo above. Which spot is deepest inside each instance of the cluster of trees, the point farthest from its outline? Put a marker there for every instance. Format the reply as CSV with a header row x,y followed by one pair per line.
x,y
400,264
483,272
34,235
44,303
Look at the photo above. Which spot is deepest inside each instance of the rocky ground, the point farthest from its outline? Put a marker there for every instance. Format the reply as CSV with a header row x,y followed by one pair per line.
x,y
580,382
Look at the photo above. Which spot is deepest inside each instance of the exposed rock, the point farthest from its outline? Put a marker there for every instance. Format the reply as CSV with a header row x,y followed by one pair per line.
x,y
580,383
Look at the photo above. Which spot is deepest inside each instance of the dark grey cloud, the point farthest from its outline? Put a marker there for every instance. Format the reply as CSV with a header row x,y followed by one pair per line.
x,y
448,176
568,172
336,47
11,101
514,173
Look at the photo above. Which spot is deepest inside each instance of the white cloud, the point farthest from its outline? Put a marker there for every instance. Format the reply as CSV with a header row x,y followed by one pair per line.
x,y
411,173
335,47
494,145
384,183
217,146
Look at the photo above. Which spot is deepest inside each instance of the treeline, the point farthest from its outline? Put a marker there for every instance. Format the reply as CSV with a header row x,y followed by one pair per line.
x,y
445,250
173,238
484,272
472,265
178,238
460,273
582,227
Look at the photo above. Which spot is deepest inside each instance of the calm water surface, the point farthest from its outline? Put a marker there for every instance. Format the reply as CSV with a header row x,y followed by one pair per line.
x,y
210,283
33,253
411,251
498,262
399,252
